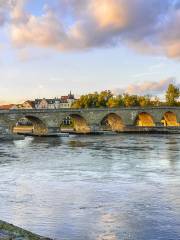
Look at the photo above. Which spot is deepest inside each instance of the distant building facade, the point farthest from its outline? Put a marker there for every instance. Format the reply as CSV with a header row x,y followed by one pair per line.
x,y
26,105
6,107
56,103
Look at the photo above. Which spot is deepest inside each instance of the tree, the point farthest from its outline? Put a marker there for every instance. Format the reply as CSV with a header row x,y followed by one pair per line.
x,y
76,104
103,98
93,100
172,94
156,102
144,101
113,102
106,99
130,100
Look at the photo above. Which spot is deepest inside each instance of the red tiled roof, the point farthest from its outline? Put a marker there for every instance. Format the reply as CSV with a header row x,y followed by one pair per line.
x,y
64,97
6,107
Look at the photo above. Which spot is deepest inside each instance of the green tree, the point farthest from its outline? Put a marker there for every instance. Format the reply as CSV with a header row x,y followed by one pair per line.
x,y
156,102
103,98
106,99
113,102
76,104
144,101
172,94
130,100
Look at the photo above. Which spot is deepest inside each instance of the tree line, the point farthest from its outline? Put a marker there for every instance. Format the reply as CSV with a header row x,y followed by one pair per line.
x,y
107,99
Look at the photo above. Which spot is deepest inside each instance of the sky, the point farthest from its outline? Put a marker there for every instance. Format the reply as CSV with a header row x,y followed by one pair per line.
x,y
49,47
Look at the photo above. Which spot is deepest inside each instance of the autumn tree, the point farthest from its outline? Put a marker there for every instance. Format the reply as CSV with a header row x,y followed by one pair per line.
x,y
144,101
156,102
104,97
130,100
93,100
172,94
115,102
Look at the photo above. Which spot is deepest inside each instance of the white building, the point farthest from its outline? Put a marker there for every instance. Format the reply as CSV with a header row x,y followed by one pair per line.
x,y
56,103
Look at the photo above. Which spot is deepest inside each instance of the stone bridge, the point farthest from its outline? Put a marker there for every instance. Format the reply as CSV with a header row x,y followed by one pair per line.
x,y
47,121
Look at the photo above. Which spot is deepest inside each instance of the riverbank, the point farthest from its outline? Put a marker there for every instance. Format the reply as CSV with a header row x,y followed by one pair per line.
x,y
9,232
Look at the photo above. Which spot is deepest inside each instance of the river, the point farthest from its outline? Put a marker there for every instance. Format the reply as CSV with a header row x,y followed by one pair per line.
x,y
124,187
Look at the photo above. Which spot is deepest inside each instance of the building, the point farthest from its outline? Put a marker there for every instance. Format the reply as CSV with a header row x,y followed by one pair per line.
x,y
26,105
67,101
56,103
6,107
45,103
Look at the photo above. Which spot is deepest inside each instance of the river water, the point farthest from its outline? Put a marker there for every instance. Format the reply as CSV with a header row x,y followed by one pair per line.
x,y
93,187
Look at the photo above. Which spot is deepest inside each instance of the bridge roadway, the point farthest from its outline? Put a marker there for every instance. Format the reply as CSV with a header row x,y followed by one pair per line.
x,y
93,119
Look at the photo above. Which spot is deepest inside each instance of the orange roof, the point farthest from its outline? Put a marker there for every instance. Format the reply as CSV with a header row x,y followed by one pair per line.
x,y
6,107
64,97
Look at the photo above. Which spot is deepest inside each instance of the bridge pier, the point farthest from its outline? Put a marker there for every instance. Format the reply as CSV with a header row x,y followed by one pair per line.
x,y
5,129
95,128
158,124
6,133
52,130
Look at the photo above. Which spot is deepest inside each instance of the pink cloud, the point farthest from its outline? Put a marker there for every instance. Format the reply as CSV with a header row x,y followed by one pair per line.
x,y
146,26
147,87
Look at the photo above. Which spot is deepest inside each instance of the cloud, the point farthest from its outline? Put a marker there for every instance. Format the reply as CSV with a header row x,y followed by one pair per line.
x,y
109,14
171,35
3,12
148,87
2,18
43,31
17,12
146,26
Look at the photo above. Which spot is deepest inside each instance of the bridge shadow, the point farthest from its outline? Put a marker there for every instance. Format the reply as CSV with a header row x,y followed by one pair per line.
x,y
30,124
74,123
144,119
112,122
170,120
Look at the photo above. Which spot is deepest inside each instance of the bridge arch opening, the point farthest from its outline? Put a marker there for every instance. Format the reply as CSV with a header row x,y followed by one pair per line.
x,y
112,122
30,124
170,120
144,119
74,123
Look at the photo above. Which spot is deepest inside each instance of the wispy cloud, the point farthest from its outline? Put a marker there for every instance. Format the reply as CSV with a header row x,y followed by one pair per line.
x,y
148,87
144,74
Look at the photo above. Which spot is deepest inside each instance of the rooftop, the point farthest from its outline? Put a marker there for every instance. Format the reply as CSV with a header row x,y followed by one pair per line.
x,y
6,107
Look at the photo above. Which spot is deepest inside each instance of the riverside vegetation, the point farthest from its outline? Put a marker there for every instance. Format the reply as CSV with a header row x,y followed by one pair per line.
x,y
9,232
106,99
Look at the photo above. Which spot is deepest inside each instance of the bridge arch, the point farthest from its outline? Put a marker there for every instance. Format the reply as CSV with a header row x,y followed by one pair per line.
x,y
170,119
144,119
30,124
113,122
75,122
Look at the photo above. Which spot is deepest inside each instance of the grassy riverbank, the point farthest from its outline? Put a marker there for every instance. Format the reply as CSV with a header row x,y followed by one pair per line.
x,y
9,232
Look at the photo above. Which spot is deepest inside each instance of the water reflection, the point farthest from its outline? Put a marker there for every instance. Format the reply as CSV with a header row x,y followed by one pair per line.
x,y
93,187
23,143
